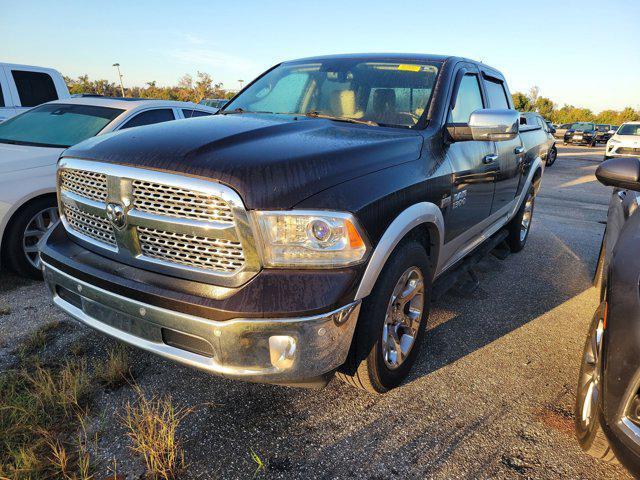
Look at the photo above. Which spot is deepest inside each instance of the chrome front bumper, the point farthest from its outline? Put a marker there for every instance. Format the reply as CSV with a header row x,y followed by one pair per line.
x,y
275,350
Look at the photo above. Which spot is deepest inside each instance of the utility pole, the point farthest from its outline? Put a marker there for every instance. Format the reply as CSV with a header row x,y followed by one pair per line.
x,y
240,82
117,65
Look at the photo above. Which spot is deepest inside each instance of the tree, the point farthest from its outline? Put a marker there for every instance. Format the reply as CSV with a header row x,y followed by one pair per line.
x,y
544,107
533,94
521,102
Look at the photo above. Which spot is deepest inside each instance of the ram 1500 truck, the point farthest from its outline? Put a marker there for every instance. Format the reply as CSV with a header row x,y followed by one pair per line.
x,y
298,232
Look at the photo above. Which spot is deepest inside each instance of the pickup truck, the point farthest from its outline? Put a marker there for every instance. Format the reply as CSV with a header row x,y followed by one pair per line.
x,y
26,86
297,233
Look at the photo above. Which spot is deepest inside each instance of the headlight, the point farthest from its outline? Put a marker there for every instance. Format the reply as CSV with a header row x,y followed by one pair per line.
x,y
310,239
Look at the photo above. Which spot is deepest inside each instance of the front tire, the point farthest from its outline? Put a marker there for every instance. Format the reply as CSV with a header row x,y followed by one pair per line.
x,y
392,323
589,431
520,225
26,229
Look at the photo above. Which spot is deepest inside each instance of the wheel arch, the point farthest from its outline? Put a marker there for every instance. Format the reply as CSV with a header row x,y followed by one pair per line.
x,y
15,212
423,222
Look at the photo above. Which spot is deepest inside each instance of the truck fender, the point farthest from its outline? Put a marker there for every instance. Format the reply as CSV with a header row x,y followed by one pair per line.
x,y
417,214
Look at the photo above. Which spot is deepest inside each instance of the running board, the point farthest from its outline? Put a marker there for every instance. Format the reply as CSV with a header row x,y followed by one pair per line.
x,y
464,266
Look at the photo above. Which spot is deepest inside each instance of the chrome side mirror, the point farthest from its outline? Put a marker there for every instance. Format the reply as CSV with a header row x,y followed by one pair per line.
x,y
494,125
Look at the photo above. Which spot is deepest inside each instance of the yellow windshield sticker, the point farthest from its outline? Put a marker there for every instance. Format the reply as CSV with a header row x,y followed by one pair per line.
x,y
409,68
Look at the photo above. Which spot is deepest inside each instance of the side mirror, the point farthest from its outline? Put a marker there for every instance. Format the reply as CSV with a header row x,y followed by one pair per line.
x,y
622,172
489,125
552,130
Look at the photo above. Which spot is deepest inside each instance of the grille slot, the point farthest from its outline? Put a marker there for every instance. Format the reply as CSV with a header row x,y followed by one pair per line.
x,y
92,185
190,250
628,151
178,202
90,225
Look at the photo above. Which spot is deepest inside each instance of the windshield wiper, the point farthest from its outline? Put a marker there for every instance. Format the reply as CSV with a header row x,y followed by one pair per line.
x,y
315,114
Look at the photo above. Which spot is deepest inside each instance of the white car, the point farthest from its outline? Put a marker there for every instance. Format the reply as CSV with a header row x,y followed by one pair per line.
x,y
26,86
30,145
625,142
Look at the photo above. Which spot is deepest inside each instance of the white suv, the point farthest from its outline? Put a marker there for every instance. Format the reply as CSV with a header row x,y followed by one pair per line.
x,y
30,145
625,142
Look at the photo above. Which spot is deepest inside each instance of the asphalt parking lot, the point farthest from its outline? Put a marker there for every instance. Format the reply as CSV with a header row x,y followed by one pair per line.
x,y
491,396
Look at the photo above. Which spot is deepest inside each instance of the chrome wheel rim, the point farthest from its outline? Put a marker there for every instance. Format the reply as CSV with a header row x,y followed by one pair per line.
x,y
552,155
403,317
39,224
590,381
526,217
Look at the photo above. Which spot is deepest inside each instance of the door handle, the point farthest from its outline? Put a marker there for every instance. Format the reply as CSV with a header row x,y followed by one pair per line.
x,y
492,157
518,150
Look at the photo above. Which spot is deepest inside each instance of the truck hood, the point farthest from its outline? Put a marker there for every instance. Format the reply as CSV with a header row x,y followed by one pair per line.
x,y
23,157
272,161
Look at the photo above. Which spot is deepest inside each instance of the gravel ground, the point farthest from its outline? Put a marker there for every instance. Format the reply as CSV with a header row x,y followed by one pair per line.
x,y
491,396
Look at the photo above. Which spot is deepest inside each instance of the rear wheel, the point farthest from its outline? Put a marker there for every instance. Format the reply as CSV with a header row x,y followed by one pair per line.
x,y
25,231
589,395
520,225
392,323
551,156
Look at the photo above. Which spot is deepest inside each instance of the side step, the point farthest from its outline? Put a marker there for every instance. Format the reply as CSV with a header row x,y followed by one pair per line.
x,y
453,276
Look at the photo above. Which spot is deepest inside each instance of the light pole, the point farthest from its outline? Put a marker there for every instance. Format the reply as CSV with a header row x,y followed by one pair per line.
x,y
117,65
240,82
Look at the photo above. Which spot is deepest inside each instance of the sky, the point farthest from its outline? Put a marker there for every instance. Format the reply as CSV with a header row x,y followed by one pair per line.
x,y
584,53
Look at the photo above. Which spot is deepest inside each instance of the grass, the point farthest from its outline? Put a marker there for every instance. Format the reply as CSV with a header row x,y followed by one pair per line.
x,y
151,425
37,339
39,412
114,371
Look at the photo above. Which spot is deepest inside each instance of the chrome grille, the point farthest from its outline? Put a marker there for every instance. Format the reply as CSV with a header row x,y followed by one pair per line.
x,y
90,225
191,250
87,184
181,226
178,202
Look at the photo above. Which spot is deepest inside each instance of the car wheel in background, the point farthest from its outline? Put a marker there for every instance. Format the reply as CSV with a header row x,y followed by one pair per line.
x,y
520,225
551,156
392,323
589,394
25,231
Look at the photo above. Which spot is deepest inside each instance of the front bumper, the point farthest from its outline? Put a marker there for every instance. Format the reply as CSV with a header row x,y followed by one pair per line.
x,y
622,150
300,350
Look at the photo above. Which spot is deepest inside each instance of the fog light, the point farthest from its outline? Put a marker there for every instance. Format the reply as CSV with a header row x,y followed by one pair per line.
x,y
282,351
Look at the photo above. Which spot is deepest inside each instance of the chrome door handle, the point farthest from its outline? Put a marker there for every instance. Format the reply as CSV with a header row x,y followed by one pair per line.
x,y
492,157
518,150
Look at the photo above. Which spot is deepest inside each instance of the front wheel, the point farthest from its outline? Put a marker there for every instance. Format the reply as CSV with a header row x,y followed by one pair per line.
x,y
25,231
392,323
551,156
589,432
520,225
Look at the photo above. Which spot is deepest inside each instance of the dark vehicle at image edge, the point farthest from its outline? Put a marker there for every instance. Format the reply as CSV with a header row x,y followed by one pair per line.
x,y
297,233
607,411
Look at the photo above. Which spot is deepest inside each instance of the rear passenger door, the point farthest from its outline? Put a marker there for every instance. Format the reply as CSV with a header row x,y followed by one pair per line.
x,y
149,117
510,152
473,169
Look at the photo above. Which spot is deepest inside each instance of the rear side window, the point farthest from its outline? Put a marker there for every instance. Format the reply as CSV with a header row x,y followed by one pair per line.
x,y
34,88
468,100
1,97
194,113
495,92
150,117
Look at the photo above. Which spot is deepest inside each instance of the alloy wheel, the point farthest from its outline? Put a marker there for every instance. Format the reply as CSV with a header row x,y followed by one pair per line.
x,y
37,227
403,317
526,217
590,382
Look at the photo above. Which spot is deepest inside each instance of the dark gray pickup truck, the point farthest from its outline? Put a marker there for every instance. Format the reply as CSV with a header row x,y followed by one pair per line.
x,y
297,233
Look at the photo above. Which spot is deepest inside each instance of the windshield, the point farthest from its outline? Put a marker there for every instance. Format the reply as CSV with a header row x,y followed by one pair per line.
x,y
582,126
603,128
629,129
374,92
56,125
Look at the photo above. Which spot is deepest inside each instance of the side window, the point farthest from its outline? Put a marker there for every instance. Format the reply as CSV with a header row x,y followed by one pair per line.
x,y
468,100
1,97
149,117
34,88
194,113
496,94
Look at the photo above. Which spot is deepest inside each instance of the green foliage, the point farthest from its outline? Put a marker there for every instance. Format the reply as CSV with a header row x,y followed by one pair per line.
x,y
188,89
568,113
